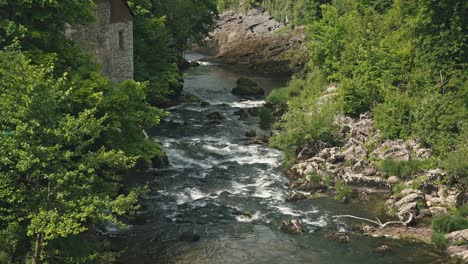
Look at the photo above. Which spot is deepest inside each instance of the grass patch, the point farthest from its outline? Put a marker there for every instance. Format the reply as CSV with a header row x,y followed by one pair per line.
x,y
342,191
439,240
403,169
314,178
456,165
456,219
453,221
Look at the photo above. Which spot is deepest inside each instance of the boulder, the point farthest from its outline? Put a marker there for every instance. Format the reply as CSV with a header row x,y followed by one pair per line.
x,y
458,236
307,152
392,180
191,98
341,237
353,150
251,133
408,205
438,211
392,149
247,87
359,180
384,249
160,161
364,167
296,196
189,237
362,129
217,116
291,226
460,252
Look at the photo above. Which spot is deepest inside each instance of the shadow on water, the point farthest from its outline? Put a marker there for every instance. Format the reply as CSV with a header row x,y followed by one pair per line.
x,y
222,199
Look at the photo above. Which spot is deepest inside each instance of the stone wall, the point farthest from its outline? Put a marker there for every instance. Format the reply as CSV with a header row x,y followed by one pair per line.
x,y
110,43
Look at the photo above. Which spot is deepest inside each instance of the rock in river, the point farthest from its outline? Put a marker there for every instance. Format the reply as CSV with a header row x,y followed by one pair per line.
x,y
247,87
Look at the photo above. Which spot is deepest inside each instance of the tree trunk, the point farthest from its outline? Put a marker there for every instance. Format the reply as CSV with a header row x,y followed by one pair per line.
x,y
36,259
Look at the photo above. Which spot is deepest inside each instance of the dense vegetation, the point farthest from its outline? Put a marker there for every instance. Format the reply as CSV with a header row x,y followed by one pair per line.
x,y
293,12
403,61
68,134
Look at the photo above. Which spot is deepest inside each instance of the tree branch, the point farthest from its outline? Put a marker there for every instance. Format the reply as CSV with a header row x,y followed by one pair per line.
x,y
378,222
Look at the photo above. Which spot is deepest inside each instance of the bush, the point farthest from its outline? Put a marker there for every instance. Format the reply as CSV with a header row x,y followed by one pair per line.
x,y
456,165
279,96
342,191
314,178
283,95
403,169
439,240
266,116
453,221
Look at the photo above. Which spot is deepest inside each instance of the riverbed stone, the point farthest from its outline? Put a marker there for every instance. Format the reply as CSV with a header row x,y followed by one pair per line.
x,y
247,87
291,226
341,237
384,249
189,237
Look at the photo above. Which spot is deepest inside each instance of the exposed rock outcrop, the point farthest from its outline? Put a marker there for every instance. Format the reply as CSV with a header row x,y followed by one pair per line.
x,y
258,40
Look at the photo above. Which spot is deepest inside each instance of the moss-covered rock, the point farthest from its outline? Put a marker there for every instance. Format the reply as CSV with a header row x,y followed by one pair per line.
x,y
247,87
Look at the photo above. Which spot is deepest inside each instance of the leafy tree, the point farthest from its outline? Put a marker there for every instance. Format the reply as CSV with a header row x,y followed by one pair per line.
x,y
156,65
55,179
189,21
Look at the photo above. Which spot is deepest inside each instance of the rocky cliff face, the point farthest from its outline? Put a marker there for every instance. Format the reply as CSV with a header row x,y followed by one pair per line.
x,y
258,40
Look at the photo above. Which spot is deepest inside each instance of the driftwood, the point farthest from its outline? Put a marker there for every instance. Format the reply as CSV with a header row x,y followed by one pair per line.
x,y
378,222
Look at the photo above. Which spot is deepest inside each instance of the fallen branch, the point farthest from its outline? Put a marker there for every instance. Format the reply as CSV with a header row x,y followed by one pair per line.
x,y
378,222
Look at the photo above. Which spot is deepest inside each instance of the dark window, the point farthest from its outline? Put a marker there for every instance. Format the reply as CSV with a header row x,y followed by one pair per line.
x,y
121,40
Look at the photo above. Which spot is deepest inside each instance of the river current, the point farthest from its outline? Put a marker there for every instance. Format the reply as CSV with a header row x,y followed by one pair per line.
x,y
222,199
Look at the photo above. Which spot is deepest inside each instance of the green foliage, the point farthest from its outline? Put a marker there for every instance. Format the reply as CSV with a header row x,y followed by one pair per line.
x,y
127,130
403,169
439,240
453,221
284,94
403,61
56,178
295,12
309,118
279,96
397,189
314,178
188,21
266,116
156,65
456,165
341,191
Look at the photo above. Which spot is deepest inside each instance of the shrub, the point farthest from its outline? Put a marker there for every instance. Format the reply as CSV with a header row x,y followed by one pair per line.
x,y
453,221
439,240
456,165
266,116
314,178
279,96
342,191
403,169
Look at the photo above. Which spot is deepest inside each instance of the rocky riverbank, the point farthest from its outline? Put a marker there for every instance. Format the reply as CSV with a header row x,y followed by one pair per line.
x,y
259,41
411,200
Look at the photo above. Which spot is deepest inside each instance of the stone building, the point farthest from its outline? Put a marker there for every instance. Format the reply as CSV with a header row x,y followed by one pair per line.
x,y
109,39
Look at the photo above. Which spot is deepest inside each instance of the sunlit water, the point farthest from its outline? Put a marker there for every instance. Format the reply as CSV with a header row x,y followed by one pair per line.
x,y
232,194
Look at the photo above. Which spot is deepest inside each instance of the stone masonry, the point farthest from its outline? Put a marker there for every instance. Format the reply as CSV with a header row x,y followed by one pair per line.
x,y
109,39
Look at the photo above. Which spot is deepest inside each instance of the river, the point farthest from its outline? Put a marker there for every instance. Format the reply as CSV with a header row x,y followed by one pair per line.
x,y
231,194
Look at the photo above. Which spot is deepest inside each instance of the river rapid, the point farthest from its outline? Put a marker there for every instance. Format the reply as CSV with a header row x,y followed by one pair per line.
x,y
222,199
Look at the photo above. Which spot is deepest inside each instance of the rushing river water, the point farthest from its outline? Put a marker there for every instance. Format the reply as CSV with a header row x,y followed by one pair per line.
x,y
232,194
